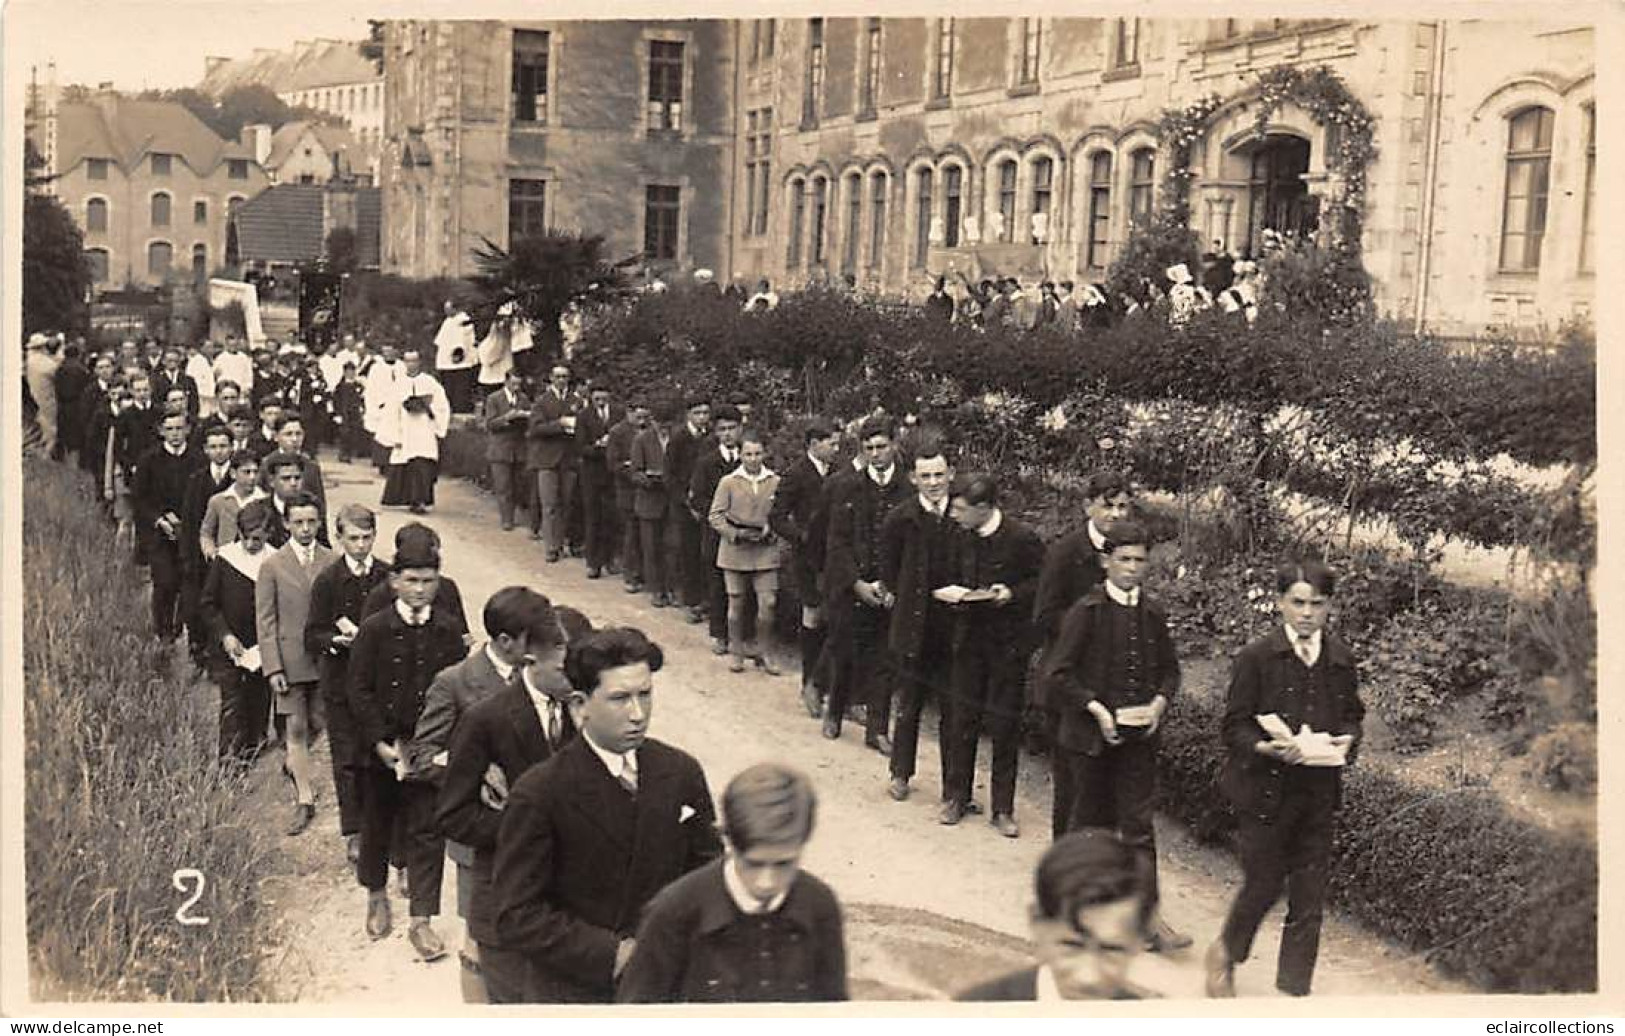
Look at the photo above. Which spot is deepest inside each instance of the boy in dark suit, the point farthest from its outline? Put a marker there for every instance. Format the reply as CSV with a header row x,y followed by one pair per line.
x,y
336,598
520,726
596,484
396,655
211,477
552,444
648,468
618,459
1286,803
795,515
507,412
159,495
589,837
1112,672
1089,919
713,460
752,927
686,442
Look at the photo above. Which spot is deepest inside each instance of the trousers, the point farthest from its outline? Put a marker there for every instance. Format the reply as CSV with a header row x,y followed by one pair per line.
x,y
926,678
1117,790
555,487
507,482
987,697
385,804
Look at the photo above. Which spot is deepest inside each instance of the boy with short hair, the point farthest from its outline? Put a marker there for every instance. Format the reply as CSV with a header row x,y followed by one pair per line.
x,y
282,603
752,926
1112,673
219,526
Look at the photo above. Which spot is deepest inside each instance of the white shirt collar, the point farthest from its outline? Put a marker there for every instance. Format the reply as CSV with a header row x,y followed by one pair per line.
x,y
823,469
615,764
1048,992
1313,640
991,526
747,903
695,432
1126,598
173,452
1096,537
405,612
219,471
938,509
504,669
885,479
361,568
756,479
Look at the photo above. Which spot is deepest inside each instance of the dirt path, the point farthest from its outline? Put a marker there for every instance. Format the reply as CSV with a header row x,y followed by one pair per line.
x,y
929,909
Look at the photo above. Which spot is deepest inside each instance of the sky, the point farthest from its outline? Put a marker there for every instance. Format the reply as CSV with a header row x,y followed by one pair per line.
x,y
136,44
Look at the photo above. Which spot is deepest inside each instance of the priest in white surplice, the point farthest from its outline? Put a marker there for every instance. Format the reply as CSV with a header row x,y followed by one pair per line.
x,y
412,427
379,393
455,357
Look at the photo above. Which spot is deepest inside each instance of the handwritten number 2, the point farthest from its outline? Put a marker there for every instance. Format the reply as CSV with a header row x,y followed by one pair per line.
x,y
180,879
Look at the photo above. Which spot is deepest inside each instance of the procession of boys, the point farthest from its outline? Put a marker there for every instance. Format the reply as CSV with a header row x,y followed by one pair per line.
x,y
593,861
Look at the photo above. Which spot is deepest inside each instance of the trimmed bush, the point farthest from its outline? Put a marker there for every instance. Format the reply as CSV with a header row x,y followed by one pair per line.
x,y
121,783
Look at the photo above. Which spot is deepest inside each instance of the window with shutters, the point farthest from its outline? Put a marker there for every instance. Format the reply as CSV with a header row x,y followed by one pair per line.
x,y
1043,189
96,215
160,209
1100,211
661,211
922,222
160,256
1007,200
665,86
530,59
953,182
1528,182
527,209
1142,184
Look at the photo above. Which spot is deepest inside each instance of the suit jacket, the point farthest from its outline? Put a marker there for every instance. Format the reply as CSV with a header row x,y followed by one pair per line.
x,y
136,433
386,690
709,467
503,731
335,592
1269,677
1013,555
910,572
795,515
550,445
505,426
282,604
618,459
159,487
649,471
199,489
1071,569
1077,667
589,429
163,381
857,509
447,600
454,691
682,452
578,857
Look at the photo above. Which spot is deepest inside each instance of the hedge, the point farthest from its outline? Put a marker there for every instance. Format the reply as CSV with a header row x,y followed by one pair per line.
x,y
121,785
1451,874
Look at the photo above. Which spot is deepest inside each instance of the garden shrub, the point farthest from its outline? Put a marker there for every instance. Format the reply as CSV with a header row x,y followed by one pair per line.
x,y
1565,758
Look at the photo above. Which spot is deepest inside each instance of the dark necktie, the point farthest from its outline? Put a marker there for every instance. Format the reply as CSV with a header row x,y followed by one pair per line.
x,y
628,775
555,723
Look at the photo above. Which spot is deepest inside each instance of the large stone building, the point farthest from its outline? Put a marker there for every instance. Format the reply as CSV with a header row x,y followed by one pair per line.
x,y
895,149
148,183
619,128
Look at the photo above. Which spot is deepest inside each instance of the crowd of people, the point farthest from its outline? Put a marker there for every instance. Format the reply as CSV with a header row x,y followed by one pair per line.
x,y
591,863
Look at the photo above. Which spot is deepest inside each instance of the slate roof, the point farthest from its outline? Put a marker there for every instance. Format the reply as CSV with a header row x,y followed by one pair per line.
x,y
309,63
125,130
335,139
284,224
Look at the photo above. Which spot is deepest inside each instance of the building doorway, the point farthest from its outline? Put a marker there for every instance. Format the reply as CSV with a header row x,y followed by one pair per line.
x,y
1277,197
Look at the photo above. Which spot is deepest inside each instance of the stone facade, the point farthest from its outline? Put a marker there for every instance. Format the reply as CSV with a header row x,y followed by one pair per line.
x,y
998,118
582,146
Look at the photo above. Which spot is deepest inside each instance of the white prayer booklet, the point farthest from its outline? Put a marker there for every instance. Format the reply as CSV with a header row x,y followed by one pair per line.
x,y
1317,746
1135,716
956,594
250,659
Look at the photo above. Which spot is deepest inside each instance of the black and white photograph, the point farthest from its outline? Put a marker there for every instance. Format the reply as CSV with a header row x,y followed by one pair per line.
x,y
973,504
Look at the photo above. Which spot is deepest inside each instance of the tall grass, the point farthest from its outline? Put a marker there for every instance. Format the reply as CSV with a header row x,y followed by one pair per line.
x,y
121,784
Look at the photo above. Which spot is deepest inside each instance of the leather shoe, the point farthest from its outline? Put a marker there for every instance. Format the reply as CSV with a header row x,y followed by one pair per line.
x,y
378,919
634,587
973,808
1165,938
880,743
898,789
594,572
767,665
507,526
1005,824
1220,972
952,813
552,557
303,814
695,616
810,698
719,646
425,940
661,601
736,664
832,727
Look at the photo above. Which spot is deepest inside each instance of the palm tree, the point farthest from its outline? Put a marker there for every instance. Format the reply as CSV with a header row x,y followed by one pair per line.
x,y
541,274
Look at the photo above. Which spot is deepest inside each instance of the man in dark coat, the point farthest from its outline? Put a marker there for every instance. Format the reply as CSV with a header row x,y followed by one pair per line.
x,y
853,586
72,379
507,415
597,484
917,552
590,836
992,638
797,513
211,477
1071,569
686,442
159,497
714,459
618,460
173,376
395,657
552,448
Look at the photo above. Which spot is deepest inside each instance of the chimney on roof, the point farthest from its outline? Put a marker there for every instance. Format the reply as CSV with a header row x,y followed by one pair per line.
x,y
257,139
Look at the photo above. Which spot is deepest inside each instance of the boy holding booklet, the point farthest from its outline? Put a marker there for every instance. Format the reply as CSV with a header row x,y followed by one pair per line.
x,y
1112,673
1286,788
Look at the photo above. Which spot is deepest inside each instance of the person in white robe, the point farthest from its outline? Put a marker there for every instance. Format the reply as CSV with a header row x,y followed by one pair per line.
x,y
412,426
509,335
456,357
379,391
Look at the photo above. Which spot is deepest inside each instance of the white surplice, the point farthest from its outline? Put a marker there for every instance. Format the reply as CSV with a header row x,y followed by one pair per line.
x,y
413,435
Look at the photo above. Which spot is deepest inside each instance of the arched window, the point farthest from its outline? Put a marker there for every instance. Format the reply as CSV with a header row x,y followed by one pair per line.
x,y
1043,192
160,209
96,215
854,223
1100,211
798,216
820,209
1528,180
953,213
1007,199
160,255
877,227
1142,183
200,263
96,261
922,207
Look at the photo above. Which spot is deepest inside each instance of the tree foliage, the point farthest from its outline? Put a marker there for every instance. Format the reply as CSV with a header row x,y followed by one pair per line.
x,y
55,274
542,274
